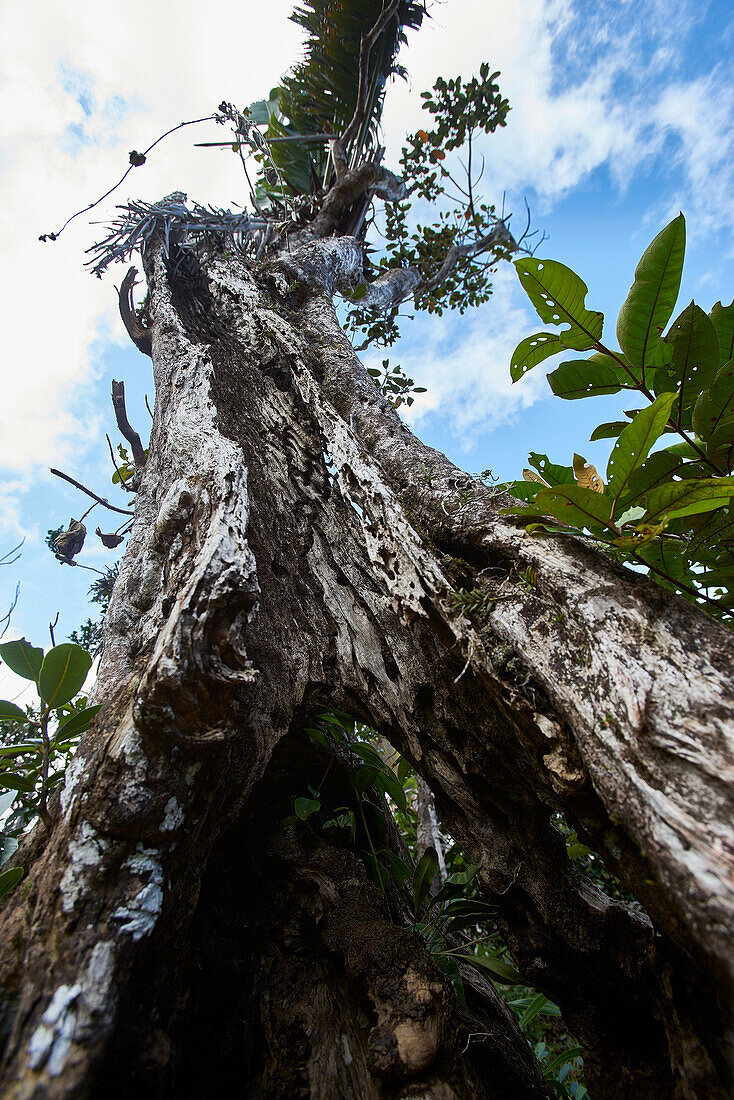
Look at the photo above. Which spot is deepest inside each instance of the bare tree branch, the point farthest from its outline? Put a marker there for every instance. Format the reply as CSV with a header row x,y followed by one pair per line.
x,y
137,332
83,489
118,404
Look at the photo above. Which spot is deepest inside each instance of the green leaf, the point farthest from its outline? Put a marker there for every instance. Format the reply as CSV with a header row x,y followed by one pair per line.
x,y
722,318
584,378
534,1009
63,673
423,877
575,505
78,723
634,443
559,296
608,430
400,869
376,870
694,363
660,467
304,807
533,350
686,498
22,658
363,777
560,1060
720,445
715,405
10,712
549,471
653,294
19,750
11,782
499,970
9,880
387,782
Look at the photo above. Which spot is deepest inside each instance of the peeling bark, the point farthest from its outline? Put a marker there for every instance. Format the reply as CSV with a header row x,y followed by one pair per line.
x,y
289,551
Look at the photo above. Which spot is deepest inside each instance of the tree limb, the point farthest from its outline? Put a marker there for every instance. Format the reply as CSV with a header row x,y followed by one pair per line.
x,y
137,332
83,489
118,404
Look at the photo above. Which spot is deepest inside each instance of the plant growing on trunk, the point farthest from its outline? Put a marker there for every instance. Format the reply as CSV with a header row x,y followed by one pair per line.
x,y
183,928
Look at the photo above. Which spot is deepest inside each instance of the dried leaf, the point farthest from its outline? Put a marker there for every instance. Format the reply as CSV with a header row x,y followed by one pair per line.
x,y
586,475
530,475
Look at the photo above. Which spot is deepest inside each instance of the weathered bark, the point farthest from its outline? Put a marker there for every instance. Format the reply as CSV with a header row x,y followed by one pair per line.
x,y
276,565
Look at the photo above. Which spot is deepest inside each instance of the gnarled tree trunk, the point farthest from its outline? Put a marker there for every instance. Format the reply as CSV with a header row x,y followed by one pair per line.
x,y
296,546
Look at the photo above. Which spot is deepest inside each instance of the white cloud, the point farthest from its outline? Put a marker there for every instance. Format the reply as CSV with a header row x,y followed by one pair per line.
x,y
465,365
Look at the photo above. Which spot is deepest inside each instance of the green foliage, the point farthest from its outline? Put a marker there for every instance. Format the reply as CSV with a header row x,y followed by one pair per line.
x,y
461,110
456,924
319,95
38,742
667,503
395,384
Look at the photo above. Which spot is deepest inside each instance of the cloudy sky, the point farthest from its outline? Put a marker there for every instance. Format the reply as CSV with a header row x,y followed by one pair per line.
x,y
622,115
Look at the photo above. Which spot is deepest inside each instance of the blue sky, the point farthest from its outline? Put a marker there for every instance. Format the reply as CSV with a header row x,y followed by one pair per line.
x,y
622,114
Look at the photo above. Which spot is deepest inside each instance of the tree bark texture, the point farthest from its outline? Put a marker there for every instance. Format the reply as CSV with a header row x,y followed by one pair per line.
x,y
296,546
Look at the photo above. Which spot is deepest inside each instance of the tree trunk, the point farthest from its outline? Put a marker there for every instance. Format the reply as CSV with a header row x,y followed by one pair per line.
x,y
295,546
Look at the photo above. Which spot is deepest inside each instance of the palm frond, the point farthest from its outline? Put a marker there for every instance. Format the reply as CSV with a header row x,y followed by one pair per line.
x,y
319,95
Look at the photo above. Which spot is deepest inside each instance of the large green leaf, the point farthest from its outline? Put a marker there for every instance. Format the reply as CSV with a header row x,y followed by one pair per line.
x,y
686,498
549,471
722,318
387,782
11,782
716,404
63,673
575,505
653,294
559,296
533,350
659,468
22,658
10,879
633,445
608,430
423,877
720,445
694,363
78,723
585,378
9,712
500,971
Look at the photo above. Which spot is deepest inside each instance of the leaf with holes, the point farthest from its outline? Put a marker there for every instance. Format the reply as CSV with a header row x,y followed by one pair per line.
x,y
694,362
559,296
633,445
533,350
586,475
575,505
578,378
716,404
722,318
653,295
687,498
608,430
549,471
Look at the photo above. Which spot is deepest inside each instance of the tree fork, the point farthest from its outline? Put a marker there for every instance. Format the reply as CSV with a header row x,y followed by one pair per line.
x,y
259,584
